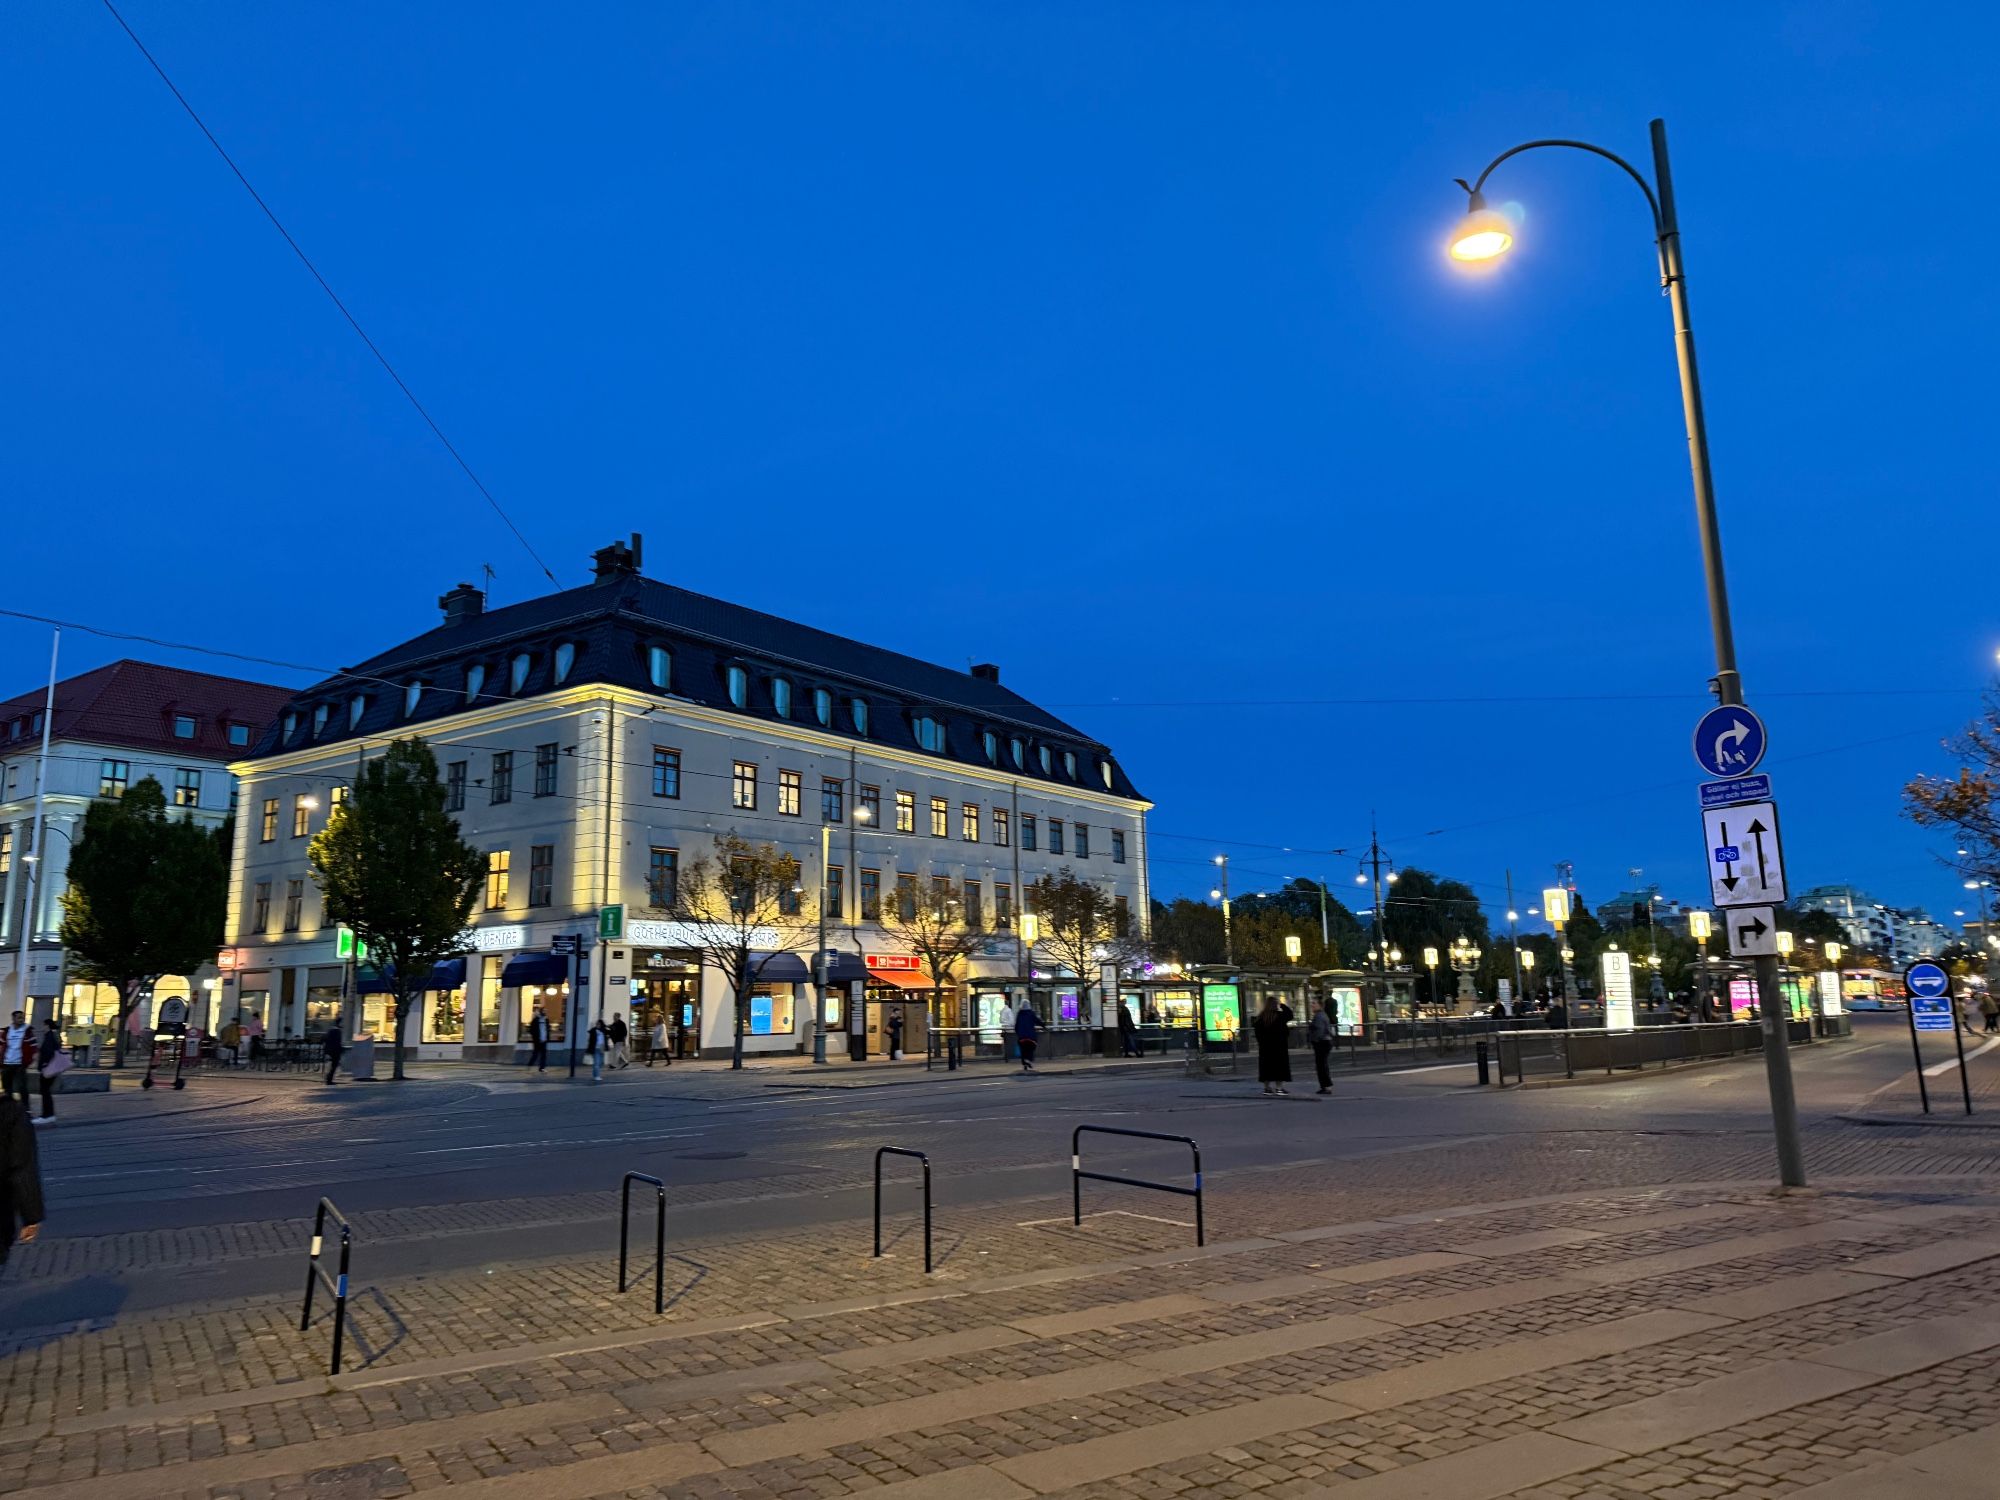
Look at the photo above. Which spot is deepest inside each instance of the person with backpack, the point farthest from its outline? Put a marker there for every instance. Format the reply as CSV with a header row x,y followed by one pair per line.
x,y
1320,1032
52,1063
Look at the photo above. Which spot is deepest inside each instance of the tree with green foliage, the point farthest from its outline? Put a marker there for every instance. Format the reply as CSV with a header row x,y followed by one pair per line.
x,y
391,866
1188,932
148,893
1263,921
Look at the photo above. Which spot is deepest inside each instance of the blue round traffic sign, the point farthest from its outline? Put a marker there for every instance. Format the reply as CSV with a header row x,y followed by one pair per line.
x,y
1926,981
1729,741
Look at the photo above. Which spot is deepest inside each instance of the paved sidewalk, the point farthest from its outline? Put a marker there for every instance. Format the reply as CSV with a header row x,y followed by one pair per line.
x,y
1682,1341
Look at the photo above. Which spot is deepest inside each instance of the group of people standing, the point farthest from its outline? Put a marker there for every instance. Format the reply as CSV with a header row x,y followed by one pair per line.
x,y
27,1056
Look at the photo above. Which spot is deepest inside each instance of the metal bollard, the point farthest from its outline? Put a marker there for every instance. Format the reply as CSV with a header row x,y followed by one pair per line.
x,y
1479,1052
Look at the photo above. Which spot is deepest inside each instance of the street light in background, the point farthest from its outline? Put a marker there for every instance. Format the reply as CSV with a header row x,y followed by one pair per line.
x,y
1431,963
1698,929
1482,238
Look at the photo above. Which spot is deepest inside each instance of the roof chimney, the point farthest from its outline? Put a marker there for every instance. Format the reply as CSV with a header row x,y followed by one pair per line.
x,y
616,561
986,672
463,603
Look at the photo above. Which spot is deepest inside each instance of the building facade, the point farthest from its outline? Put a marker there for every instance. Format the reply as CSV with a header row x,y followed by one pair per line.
x,y
596,742
1901,936
113,727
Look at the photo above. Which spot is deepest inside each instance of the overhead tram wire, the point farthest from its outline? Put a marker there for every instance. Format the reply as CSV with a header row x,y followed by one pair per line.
x,y
333,296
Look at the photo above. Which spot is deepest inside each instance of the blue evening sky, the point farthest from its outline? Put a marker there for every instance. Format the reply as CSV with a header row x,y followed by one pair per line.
x,y
1110,342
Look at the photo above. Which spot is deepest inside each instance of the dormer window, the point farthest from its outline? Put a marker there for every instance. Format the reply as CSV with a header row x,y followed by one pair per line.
x,y
239,734
823,707
320,715
660,667
1069,764
413,694
475,681
291,725
356,707
739,686
565,659
991,743
930,733
781,696
858,709
1048,767
183,726
1019,752
1104,771
517,671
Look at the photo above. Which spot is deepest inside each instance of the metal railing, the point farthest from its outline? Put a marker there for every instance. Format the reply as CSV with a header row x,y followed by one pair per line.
x,y
918,1156
1547,1052
337,1286
659,1236
1077,1174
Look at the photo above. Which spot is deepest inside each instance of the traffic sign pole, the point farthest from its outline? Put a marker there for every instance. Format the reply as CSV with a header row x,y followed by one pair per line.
x,y
1958,1041
1917,1051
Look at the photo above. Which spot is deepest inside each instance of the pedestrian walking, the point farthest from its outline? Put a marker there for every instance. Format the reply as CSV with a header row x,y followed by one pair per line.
x,y
1128,1032
1990,1009
1320,1032
1008,1048
17,1059
1027,1034
20,1179
895,1033
1274,1055
229,1041
538,1041
52,1062
662,1047
596,1044
332,1046
620,1033
1559,1017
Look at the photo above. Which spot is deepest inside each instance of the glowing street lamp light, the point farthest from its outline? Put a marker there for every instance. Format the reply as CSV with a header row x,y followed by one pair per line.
x,y
1486,233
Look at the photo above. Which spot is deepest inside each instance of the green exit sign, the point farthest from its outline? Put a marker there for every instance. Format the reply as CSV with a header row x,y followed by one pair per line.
x,y
610,922
346,946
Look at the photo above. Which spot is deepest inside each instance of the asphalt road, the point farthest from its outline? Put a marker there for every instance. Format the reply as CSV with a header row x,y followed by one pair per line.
x,y
518,1170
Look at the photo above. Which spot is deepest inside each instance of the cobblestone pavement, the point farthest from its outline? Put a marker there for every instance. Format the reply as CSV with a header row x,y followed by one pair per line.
x,y
1681,1340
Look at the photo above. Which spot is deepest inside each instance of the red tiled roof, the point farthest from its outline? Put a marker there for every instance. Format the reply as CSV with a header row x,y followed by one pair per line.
x,y
135,703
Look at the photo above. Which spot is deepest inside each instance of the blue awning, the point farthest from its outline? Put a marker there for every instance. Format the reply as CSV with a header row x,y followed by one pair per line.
x,y
846,968
449,975
778,968
535,968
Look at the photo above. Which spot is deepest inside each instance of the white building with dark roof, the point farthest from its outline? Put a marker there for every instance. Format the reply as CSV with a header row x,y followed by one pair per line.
x,y
598,740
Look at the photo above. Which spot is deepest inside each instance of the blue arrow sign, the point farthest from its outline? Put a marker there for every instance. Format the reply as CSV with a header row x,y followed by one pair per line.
x,y
1729,741
1927,981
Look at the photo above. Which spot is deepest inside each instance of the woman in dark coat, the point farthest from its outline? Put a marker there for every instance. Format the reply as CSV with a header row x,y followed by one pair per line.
x,y
20,1178
1274,1053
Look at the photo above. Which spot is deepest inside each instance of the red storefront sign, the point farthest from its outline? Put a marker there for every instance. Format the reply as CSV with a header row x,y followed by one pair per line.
x,y
903,962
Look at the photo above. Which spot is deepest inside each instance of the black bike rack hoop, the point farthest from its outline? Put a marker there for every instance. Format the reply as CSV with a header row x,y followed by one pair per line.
x,y
1077,1174
659,1235
918,1156
336,1285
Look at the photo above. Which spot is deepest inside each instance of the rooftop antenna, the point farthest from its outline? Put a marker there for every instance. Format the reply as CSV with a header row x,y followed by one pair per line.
x,y
487,575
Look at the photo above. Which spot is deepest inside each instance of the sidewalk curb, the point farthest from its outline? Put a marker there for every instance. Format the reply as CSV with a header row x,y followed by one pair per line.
x,y
1926,1122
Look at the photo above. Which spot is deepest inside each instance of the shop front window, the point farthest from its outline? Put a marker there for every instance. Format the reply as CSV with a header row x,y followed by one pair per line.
x,y
444,1016
489,998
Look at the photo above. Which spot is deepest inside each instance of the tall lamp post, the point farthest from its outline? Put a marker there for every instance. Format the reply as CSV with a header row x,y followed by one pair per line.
x,y
1221,893
823,959
1484,236
1524,958
1698,929
1431,963
1464,959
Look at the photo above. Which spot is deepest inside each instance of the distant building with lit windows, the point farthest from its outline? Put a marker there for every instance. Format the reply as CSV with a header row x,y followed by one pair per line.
x,y
114,726
595,742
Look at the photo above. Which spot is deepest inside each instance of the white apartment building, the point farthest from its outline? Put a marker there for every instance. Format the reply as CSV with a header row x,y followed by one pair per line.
x,y
597,741
1901,936
113,727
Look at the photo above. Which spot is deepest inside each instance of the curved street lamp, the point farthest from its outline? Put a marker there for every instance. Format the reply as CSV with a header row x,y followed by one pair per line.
x,y
1483,237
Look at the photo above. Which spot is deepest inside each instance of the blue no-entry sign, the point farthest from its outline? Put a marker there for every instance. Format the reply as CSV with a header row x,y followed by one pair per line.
x,y
1729,741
